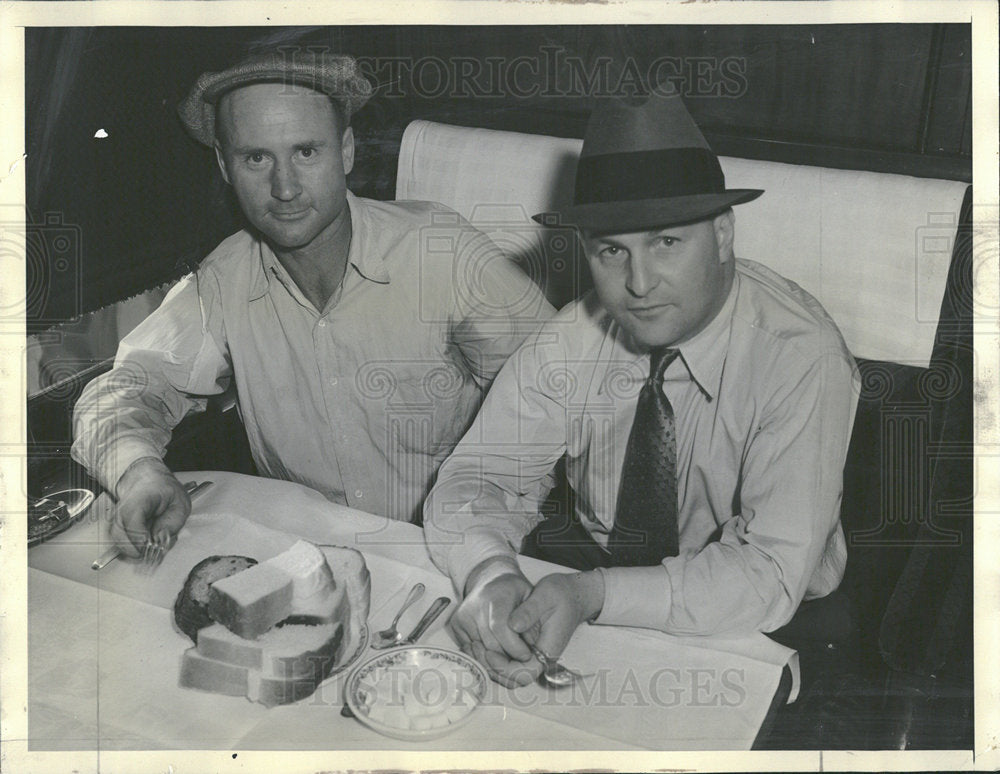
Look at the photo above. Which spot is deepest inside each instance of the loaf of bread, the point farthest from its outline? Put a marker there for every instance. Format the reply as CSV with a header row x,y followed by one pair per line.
x,y
279,628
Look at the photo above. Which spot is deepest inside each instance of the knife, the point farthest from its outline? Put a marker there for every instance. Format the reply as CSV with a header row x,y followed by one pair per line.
x,y
192,487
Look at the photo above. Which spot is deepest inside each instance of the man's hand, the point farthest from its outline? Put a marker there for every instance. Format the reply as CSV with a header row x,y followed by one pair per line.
x,y
480,624
150,500
558,604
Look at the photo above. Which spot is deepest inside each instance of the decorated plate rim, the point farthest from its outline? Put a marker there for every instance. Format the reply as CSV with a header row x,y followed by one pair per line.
x,y
362,645
396,655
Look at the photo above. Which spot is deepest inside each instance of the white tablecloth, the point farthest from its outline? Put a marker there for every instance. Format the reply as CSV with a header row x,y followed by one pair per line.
x,y
104,655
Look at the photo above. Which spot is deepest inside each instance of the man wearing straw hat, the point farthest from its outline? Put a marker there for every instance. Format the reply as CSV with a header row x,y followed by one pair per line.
x,y
359,355
703,405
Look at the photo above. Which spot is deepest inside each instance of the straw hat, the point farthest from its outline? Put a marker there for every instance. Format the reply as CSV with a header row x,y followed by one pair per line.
x,y
334,74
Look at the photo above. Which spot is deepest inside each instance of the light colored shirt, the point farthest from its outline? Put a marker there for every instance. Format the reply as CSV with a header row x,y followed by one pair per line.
x,y
362,400
764,400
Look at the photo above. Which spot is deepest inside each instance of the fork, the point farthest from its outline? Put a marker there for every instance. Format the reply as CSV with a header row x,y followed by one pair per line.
x,y
157,545
153,552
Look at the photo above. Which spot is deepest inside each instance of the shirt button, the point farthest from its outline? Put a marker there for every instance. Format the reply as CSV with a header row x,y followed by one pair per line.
x,y
322,323
358,493
333,382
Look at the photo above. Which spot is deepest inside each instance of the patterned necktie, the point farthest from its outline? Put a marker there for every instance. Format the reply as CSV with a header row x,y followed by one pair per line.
x,y
645,528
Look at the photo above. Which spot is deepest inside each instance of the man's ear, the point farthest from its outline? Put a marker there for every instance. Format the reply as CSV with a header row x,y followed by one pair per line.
x,y
222,161
347,150
724,225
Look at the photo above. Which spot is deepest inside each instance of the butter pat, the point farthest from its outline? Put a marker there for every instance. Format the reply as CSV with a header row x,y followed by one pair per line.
x,y
312,579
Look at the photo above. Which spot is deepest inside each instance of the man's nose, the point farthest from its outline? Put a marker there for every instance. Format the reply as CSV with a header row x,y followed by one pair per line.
x,y
285,182
640,279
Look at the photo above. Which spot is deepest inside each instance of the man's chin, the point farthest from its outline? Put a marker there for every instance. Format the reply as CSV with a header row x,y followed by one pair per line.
x,y
287,239
650,336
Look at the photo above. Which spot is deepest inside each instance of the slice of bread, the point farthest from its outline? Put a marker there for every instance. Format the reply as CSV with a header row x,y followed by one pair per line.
x,y
285,652
191,605
297,583
351,571
206,674
251,602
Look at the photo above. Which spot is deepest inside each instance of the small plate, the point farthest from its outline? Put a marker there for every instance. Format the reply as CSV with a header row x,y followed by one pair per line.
x,y
416,693
352,652
55,513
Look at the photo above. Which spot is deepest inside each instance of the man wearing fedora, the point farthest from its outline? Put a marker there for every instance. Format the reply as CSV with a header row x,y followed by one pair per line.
x,y
359,354
703,405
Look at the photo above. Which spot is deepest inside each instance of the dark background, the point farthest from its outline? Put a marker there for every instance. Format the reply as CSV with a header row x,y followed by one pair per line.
x,y
146,203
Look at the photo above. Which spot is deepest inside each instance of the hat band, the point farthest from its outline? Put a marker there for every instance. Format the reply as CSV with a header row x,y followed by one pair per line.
x,y
654,174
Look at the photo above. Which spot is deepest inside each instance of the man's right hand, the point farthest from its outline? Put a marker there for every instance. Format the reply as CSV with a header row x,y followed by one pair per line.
x,y
150,500
480,624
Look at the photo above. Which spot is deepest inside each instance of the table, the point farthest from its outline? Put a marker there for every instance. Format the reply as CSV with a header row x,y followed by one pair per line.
x,y
104,656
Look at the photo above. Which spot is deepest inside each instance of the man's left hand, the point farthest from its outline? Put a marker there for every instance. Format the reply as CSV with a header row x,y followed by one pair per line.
x,y
556,606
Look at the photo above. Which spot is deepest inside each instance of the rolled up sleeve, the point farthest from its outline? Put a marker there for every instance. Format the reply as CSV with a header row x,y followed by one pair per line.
x,y
165,368
488,492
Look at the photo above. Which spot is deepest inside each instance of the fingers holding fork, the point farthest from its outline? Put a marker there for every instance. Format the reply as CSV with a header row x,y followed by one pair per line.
x,y
152,545
156,548
161,540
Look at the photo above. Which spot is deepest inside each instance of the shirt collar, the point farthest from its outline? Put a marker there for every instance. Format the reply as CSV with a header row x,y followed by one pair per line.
x,y
703,355
367,262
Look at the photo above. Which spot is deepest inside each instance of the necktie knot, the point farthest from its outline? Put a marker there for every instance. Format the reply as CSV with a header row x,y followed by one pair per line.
x,y
659,359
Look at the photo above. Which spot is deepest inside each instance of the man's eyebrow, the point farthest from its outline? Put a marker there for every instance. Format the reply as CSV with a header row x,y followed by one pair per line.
x,y
607,239
243,150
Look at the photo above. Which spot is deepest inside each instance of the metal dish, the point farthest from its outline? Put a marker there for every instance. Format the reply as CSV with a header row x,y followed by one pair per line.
x,y
416,693
55,513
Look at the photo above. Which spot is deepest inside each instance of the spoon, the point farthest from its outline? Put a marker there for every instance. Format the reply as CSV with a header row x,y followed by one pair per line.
x,y
391,636
554,673
437,607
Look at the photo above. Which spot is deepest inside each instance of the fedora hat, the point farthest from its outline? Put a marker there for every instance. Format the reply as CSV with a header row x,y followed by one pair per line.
x,y
336,75
644,165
